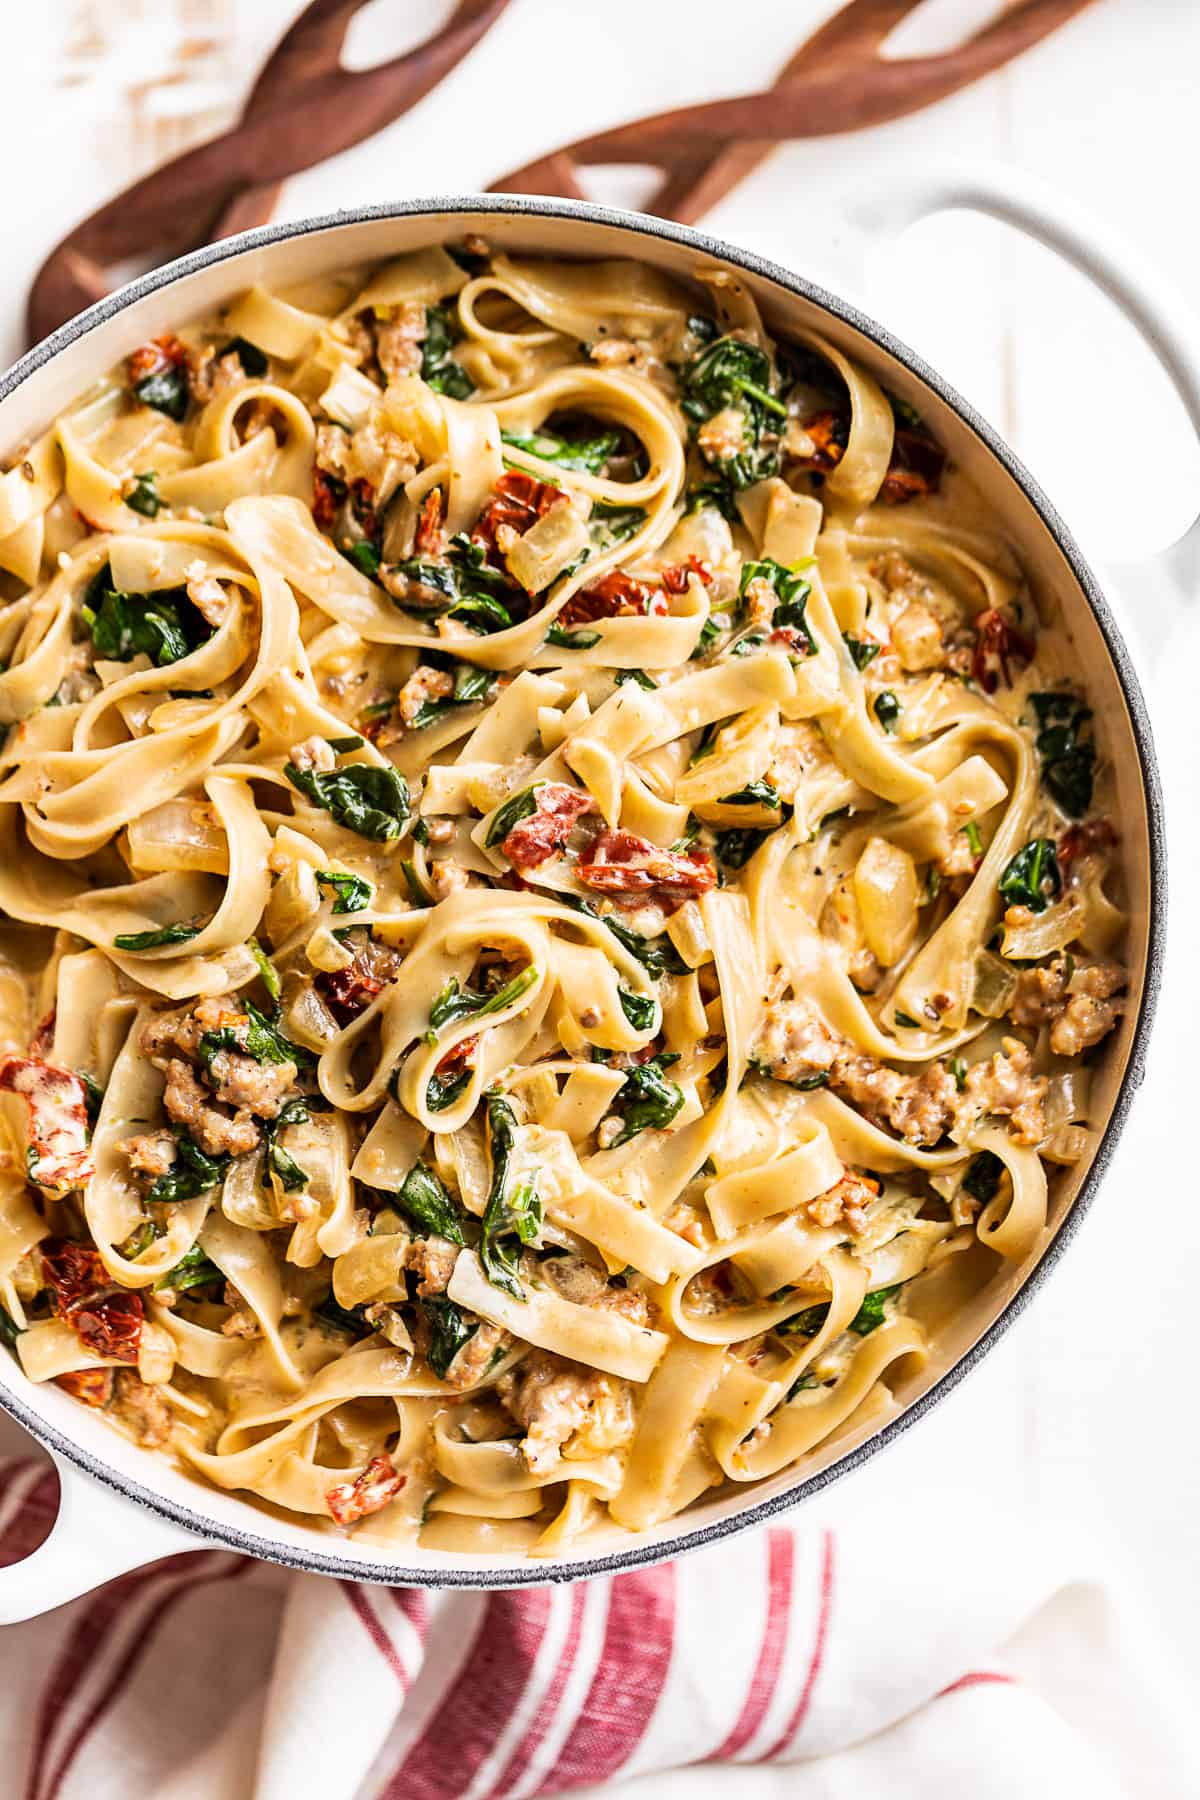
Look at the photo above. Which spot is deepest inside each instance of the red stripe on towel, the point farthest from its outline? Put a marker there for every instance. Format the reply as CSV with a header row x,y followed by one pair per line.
x,y
761,1691
489,1686
824,1612
628,1682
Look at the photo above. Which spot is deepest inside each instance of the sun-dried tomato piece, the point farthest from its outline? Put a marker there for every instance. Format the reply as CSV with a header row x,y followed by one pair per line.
x,y
43,1036
633,870
58,1156
675,576
327,497
615,596
362,500
71,1271
93,1386
915,469
519,501
166,352
429,539
375,1488
110,1324
829,432
534,839
459,1057
349,991
1094,837
997,643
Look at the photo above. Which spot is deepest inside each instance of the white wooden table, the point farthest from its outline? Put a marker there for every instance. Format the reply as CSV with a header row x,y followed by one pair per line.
x,y
1084,1410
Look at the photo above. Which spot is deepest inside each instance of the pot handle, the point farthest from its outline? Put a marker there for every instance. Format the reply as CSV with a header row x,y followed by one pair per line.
x,y
97,1534
1118,267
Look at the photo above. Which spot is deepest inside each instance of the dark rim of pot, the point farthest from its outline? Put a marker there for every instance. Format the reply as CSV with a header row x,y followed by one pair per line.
x,y
641,1553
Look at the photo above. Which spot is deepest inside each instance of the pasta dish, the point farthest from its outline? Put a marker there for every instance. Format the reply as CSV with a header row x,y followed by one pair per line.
x,y
558,898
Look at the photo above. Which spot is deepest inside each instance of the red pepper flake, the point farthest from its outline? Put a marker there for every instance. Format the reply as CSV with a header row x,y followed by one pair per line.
x,y
633,870
59,1156
520,500
529,843
915,469
326,500
93,1386
166,352
997,643
429,539
375,1488
615,596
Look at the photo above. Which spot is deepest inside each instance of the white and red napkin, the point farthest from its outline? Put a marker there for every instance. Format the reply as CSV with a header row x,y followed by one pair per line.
x,y
942,1650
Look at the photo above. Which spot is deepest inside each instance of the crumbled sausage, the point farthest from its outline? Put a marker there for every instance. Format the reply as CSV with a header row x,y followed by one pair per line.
x,y
845,1203
477,1356
425,683
795,1045
723,436
432,1260
207,595
142,1408
1080,1006
917,636
190,1105
398,340
314,753
447,877
1005,1085
619,353
150,1155
566,1409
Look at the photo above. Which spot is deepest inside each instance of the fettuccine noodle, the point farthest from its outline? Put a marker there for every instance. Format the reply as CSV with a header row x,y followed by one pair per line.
x,y
556,878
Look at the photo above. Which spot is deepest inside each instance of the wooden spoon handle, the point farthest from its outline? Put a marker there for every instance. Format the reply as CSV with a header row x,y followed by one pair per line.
x,y
303,108
837,81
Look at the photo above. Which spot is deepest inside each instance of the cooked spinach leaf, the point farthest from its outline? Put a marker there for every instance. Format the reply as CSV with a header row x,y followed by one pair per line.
x,y
792,592
163,625
646,1100
731,374
862,650
440,370
1033,878
351,893
144,497
1068,764
982,1179
425,1202
364,797
191,1174
166,390
448,1331
194,1269
513,1216
154,940
455,1002
587,454
518,806
640,1009
887,709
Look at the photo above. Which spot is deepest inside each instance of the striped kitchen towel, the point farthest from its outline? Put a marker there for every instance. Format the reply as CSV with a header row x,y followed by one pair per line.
x,y
945,1650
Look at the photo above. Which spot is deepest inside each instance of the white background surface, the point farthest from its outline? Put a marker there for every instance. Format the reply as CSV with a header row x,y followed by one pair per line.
x,y
1085,1410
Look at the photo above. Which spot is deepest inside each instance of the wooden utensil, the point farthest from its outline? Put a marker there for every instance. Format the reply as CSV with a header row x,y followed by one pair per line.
x,y
837,81
303,108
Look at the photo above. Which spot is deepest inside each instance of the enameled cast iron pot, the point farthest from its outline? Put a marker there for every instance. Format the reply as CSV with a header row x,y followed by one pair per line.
x,y
120,1505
